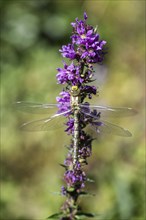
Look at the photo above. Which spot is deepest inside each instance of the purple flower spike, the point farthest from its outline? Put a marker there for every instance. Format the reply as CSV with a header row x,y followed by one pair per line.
x,y
85,49
90,48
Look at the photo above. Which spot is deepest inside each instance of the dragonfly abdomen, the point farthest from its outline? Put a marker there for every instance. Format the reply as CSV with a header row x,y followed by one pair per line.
x,y
76,136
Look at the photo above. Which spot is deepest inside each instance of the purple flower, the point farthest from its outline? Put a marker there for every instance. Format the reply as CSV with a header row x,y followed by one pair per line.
x,y
62,75
68,51
86,41
88,91
75,178
68,161
85,145
85,152
79,26
85,16
63,101
70,126
90,48
63,190
69,74
86,37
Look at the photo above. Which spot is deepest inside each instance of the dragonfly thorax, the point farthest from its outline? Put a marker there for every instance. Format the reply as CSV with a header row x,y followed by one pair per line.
x,y
75,102
75,92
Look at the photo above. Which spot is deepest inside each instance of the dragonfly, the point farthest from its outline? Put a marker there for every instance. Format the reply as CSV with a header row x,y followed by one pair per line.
x,y
76,108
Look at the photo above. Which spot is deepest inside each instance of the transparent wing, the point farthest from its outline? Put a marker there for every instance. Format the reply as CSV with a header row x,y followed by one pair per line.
x,y
108,111
101,126
108,128
36,108
46,123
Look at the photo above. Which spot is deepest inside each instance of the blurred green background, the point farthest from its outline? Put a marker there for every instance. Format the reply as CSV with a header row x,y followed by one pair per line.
x,y
32,32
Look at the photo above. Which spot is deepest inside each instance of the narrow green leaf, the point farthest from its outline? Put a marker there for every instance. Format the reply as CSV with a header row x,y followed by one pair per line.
x,y
86,194
62,165
55,216
82,215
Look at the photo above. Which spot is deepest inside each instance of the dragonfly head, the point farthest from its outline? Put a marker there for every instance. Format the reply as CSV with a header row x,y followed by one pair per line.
x,y
75,91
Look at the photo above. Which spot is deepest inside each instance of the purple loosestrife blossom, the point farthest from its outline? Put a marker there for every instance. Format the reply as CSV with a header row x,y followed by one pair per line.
x,y
85,49
75,178
63,101
85,45
88,91
68,51
69,74
70,126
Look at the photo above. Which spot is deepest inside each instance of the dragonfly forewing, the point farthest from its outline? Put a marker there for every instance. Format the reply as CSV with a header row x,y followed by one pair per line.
x,y
108,111
36,108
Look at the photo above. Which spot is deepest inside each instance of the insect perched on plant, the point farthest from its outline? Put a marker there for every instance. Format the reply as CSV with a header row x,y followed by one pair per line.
x,y
90,114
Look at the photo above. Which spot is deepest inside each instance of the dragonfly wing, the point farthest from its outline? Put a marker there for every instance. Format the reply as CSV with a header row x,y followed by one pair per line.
x,y
46,123
36,108
109,128
109,111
